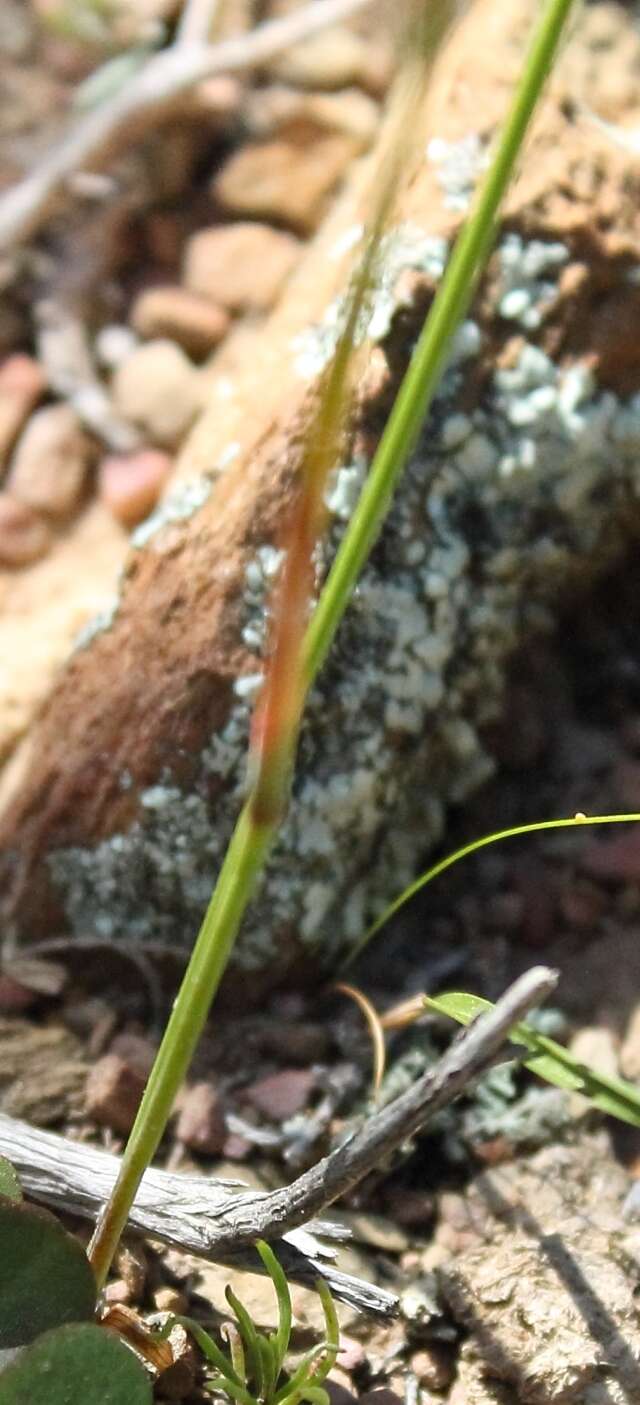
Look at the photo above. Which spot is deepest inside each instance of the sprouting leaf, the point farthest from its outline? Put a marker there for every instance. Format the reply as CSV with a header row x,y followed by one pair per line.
x,y
45,1276
465,852
9,1183
614,1096
80,1364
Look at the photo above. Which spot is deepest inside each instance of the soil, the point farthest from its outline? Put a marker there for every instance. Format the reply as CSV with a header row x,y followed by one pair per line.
x,y
506,1227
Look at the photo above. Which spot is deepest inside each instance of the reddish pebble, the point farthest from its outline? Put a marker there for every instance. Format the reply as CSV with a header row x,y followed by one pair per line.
x,y
195,323
615,859
22,383
236,1148
582,904
282,1095
136,1050
24,536
14,998
351,1355
113,1093
130,484
201,1124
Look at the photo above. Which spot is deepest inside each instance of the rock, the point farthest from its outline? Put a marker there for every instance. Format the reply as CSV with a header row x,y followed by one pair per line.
x,y
351,1355
432,1367
218,100
170,1300
113,1093
196,324
616,860
394,730
297,1042
283,1094
338,1393
286,179
136,1050
157,388
242,267
14,997
178,1380
630,1051
270,110
334,58
130,484
582,903
201,1125
381,1396
22,383
24,536
51,462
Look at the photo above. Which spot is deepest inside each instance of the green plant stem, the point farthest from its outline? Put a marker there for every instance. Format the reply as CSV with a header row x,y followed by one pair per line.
x,y
240,871
573,822
417,389
251,841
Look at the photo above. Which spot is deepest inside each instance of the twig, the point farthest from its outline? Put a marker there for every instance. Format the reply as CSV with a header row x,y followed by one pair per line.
x,y
196,22
215,1219
151,91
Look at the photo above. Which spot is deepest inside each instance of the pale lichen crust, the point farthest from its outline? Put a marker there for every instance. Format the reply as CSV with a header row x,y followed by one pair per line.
x,y
502,500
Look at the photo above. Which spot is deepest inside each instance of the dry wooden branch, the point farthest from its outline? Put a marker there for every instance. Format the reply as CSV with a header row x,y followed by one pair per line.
x,y
150,92
217,1219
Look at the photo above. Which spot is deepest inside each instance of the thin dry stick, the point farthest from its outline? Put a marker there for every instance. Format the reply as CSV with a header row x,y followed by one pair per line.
x,y
216,1220
196,22
164,77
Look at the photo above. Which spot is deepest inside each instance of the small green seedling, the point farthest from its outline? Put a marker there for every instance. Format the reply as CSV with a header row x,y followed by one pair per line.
x,y
254,1372
51,1350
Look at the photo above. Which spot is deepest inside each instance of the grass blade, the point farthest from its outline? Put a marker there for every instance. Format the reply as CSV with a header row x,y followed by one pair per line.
x,y
550,1061
465,852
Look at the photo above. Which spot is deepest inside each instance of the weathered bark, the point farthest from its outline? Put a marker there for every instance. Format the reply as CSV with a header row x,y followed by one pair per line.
x,y
525,482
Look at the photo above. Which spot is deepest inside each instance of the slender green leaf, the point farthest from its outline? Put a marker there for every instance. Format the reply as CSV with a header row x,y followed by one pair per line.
x,y
208,1347
80,1364
614,1096
236,1349
251,841
466,851
279,1280
229,1387
45,1276
250,1341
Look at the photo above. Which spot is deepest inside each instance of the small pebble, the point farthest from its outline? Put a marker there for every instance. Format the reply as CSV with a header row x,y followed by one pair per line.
x,y
170,1300
201,1124
158,389
286,179
22,384
351,1355
51,462
15,998
24,535
617,860
338,1393
113,1093
241,266
195,323
381,1396
130,484
283,1094
135,1049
